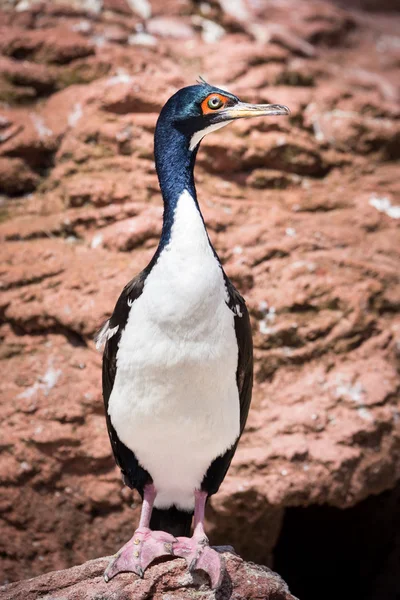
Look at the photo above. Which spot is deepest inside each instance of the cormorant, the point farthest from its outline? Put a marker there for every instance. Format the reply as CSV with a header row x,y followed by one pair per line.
x,y
178,360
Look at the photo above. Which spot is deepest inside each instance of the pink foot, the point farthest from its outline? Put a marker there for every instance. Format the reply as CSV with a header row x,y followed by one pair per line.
x,y
140,551
198,555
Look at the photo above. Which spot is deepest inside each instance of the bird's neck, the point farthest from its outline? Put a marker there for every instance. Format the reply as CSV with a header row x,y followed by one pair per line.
x,y
174,164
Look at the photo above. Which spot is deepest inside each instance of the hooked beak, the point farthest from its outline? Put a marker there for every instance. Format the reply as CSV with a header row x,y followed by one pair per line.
x,y
242,110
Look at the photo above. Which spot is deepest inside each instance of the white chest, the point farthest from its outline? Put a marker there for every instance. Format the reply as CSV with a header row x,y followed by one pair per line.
x,y
175,400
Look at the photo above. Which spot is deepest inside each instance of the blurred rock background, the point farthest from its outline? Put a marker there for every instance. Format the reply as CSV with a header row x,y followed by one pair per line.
x,y
304,213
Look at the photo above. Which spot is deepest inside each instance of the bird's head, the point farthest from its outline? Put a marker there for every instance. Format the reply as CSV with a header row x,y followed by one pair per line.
x,y
199,109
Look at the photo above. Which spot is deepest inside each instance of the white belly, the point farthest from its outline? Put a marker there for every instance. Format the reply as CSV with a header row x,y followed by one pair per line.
x,y
175,401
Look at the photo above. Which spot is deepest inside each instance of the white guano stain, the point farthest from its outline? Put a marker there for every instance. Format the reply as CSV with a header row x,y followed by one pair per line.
x,y
75,115
354,391
45,383
121,76
141,7
270,314
142,39
97,241
39,124
384,205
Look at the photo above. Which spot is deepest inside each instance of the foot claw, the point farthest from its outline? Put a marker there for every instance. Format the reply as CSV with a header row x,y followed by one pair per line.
x,y
212,563
140,572
139,552
199,555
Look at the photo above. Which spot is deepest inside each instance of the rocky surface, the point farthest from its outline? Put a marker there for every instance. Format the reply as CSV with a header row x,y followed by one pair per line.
x,y
304,213
165,581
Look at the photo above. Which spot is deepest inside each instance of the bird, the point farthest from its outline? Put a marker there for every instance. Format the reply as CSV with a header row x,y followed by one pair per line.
x,y
177,369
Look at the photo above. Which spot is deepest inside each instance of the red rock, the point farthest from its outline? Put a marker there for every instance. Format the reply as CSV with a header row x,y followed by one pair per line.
x,y
282,151
126,235
269,178
120,6
29,138
26,74
58,45
242,56
348,130
170,28
247,581
126,98
283,36
293,26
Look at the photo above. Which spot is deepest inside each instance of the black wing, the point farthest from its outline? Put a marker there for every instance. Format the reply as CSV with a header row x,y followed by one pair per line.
x,y
244,379
134,475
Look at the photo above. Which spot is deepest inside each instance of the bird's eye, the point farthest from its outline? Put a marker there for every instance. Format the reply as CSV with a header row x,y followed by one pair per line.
x,y
214,102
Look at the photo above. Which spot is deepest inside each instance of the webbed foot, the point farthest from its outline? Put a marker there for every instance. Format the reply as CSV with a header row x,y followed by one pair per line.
x,y
140,551
198,555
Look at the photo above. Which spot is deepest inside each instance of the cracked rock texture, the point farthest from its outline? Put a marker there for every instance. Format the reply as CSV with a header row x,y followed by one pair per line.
x,y
165,581
303,211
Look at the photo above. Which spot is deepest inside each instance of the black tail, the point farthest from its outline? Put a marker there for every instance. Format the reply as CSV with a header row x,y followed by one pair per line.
x,y
172,520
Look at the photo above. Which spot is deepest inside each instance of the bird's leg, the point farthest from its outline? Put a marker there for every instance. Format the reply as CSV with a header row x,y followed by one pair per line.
x,y
196,550
144,546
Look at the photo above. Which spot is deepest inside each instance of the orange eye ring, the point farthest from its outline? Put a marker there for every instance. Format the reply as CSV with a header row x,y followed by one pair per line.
x,y
212,103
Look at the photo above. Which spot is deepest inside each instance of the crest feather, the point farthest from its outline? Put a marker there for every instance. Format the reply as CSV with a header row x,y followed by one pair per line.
x,y
202,81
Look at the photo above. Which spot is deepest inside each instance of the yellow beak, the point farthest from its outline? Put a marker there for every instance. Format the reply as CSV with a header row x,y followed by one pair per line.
x,y
241,110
